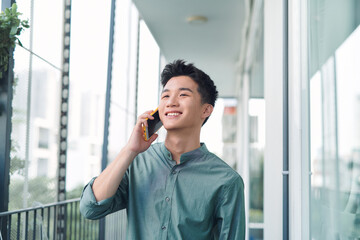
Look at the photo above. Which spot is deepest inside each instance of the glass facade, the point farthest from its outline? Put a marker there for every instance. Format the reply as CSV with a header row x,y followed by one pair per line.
x,y
123,96
148,74
256,167
256,135
334,37
35,119
87,90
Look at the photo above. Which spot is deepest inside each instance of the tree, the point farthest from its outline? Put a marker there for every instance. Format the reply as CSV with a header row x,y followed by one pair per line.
x,y
10,28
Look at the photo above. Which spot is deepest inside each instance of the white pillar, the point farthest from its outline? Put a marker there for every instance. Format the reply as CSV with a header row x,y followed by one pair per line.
x,y
243,142
273,91
299,163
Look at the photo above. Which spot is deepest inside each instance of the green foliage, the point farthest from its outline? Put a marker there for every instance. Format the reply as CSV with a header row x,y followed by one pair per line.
x,y
75,192
40,190
17,164
256,214
10,28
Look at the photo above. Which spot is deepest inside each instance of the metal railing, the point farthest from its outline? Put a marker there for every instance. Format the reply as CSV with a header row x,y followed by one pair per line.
x,y
41,223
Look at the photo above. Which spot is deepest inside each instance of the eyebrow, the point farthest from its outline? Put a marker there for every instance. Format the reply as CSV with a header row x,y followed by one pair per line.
x,y
181,89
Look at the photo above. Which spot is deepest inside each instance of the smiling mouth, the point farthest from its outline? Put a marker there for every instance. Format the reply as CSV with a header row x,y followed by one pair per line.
x,y
173,114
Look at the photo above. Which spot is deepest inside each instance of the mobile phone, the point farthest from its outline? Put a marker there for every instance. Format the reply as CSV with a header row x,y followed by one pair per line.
x,y
153,125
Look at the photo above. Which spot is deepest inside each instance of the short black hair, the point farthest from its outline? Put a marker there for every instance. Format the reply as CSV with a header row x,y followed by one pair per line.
x,y
206,86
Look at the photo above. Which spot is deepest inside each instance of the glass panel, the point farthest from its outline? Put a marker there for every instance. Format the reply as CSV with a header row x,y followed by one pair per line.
x,y
256,234
256,161
348,138
34,132
33,165
148,85
220,139
334,36
88,77
122,107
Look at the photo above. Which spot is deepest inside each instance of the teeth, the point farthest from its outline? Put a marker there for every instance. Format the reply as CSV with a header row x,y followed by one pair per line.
x,y
173,114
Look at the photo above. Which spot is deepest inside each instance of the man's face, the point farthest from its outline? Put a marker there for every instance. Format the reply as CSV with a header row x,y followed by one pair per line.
x,y
180,104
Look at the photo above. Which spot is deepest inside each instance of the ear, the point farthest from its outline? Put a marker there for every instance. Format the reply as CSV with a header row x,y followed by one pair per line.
x,y
207,110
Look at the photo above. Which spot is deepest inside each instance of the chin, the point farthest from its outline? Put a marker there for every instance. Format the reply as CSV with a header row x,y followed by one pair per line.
x,y
173,126
170,127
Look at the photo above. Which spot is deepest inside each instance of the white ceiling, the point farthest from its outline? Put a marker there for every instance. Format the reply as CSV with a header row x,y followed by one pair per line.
x,y
213,46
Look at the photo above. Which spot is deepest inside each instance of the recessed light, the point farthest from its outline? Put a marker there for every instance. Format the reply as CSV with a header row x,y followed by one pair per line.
x,y
197,19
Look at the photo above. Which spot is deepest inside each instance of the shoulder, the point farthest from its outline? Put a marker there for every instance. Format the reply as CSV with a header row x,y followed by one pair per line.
x,y
229,176
151,156
153,150
156,147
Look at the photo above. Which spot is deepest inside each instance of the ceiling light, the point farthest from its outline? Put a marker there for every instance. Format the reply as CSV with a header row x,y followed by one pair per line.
x,y
196,19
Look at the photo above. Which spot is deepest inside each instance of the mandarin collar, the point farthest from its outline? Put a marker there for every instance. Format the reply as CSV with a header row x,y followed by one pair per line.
x,y
196,153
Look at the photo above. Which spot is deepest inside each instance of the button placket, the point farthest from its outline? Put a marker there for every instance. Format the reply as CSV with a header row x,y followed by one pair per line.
x,y
170,185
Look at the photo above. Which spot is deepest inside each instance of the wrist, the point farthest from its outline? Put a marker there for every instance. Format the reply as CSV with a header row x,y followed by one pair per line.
x,y
130,152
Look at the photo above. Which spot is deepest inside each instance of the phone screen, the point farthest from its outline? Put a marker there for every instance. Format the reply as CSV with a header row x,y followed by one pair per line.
x,y
153,125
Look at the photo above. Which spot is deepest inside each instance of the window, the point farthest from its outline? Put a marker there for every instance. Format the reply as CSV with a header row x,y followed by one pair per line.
x,y
256,162
43,138
334,37
42,167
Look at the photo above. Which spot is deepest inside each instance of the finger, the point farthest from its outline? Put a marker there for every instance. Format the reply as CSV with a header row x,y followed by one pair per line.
x,y
144,117
147,114
153,137
140,122
145,123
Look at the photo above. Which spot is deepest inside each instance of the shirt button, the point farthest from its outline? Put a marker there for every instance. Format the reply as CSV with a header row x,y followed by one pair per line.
x,y
167,199
174,172
163,227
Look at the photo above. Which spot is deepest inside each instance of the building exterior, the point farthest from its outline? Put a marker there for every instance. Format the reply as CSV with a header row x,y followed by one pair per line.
x,y
287,119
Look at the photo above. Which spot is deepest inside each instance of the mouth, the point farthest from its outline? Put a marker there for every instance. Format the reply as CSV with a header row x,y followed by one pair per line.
x,y
173,114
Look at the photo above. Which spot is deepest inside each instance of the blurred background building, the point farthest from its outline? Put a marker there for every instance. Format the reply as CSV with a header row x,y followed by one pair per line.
x,y
288,116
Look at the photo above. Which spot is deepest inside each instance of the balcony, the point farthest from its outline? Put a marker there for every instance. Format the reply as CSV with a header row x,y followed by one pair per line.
x,y
61,220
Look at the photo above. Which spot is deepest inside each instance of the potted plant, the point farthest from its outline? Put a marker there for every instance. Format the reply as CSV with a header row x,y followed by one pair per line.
x,y
10,28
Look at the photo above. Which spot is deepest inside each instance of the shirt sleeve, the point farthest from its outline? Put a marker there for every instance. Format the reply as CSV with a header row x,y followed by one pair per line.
x,y
92,209
230,212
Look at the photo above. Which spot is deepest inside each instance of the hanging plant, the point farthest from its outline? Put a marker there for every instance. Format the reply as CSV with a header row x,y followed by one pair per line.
x,y
10,28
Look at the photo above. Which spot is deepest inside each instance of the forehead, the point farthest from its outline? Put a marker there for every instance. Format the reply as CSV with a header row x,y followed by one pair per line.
x,y
181,82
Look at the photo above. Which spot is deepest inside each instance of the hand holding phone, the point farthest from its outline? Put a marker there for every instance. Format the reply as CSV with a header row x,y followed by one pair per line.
x,y
153,125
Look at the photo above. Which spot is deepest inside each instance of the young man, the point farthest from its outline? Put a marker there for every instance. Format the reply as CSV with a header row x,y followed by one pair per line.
x,y
176,189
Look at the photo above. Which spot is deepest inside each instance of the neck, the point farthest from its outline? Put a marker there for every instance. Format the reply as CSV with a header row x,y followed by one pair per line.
x,y
179,143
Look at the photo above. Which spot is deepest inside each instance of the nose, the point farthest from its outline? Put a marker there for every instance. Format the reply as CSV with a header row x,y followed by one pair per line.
x,y
172,101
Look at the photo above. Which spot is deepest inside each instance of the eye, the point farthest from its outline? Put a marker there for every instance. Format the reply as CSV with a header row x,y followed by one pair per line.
x,y
165,96
183,94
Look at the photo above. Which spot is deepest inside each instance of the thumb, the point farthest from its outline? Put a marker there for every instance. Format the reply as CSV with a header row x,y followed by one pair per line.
x,y
153,138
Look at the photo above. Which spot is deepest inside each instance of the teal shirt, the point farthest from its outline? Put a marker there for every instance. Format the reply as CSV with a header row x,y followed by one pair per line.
x,y
200,198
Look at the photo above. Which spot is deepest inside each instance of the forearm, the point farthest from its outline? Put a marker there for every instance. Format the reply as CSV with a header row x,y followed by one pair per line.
x,y
106,184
